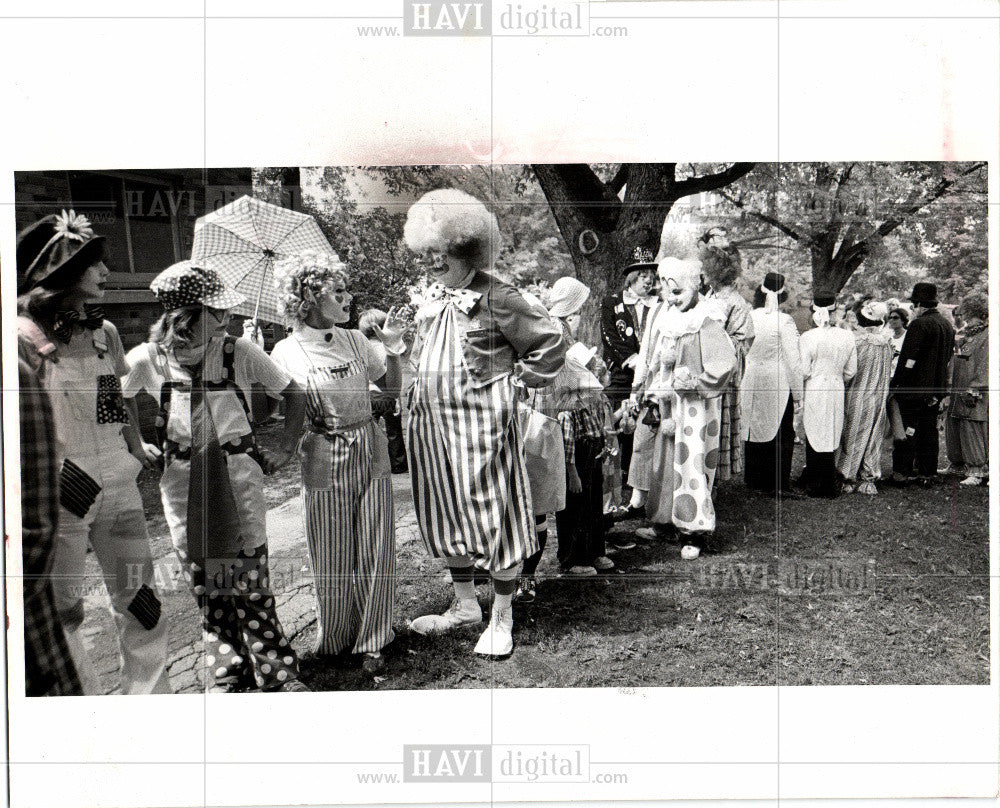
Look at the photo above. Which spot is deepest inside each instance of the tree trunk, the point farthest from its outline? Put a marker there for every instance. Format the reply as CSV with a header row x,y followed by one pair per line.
x,y
831,273
600,231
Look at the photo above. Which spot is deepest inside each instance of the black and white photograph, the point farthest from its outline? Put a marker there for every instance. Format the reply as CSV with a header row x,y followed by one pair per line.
x,y
615,425
417,402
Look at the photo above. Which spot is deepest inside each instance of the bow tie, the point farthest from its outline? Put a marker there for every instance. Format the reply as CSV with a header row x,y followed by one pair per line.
x,y
464,299
66,321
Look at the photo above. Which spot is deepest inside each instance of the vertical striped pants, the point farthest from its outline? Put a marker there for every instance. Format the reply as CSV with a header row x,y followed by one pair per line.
x,y
470,484
351,532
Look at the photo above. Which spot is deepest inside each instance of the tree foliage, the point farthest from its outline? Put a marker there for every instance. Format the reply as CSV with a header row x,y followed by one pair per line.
x,y
869,228
841,214
363,210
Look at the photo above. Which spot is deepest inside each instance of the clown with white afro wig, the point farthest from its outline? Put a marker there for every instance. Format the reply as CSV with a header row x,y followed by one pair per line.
x,y
478,341
686,359
448,223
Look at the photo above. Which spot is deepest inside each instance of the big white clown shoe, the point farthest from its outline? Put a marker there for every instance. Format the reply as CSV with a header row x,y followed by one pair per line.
x,y
460,613
497,639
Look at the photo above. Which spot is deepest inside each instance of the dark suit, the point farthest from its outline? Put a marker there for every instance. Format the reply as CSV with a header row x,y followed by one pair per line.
x,y
918,385
621,332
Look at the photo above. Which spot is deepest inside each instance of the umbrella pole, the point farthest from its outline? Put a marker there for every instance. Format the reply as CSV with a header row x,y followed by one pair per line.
x,y
260,294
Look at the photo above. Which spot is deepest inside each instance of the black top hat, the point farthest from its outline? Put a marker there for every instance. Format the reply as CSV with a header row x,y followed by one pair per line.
x,y
55,251
774,281
924,294
823,300
642,261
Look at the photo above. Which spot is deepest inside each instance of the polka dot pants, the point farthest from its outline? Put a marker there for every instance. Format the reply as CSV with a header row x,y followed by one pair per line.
x,y
244,640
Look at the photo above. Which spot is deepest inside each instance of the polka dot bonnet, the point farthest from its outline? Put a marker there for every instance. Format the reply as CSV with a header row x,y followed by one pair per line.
x,y
188,284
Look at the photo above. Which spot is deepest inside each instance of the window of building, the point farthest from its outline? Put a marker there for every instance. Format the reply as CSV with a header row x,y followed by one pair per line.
x,y
138,219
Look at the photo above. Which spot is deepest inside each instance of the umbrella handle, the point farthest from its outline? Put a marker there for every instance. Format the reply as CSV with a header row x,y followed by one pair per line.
x,y
260,294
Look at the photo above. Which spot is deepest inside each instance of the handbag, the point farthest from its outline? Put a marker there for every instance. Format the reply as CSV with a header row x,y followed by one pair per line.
x,y
544,459
652,416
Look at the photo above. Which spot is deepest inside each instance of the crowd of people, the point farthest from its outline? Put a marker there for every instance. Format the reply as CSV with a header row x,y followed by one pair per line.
x,y
510,420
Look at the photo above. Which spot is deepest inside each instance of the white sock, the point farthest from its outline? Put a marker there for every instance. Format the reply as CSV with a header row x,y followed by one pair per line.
x,y
638,498
501,602
465,590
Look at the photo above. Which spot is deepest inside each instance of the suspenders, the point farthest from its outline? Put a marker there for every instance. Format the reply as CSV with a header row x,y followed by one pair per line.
x,y
248,443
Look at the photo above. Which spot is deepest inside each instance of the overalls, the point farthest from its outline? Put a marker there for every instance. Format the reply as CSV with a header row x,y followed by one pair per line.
x,y
347,494
470,484
244,639
101,504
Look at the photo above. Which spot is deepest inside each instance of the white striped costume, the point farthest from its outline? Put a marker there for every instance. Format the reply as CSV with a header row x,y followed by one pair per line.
x,y
346,487
470,486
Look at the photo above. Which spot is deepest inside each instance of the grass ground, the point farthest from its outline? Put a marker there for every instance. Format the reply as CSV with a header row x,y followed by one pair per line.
x,y
886,590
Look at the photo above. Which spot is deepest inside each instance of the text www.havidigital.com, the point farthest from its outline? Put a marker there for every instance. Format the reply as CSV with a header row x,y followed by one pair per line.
x,y
427,18
486,763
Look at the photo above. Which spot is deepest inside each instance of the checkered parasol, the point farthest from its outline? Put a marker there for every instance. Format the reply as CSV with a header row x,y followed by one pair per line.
x,y
243,239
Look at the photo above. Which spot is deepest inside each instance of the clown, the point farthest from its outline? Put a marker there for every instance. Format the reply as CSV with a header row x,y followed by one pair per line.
x,y
829,362
684,463
478,342
214,471
346,487
79,356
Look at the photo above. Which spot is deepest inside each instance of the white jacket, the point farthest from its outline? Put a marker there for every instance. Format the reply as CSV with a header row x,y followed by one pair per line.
x,y
772,372
829,361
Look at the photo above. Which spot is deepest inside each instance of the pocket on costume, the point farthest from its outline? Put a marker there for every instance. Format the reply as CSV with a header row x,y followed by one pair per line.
x,y
317,456
77,490
110,404
146,608
480,344
380,452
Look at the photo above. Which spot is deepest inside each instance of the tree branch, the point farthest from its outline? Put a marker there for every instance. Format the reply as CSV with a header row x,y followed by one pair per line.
x,y
711,182
618,181
891,224
862,247
575,187
788,230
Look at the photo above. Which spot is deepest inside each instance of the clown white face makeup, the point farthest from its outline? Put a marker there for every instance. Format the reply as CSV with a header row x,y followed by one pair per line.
x,y
680,282
334,306
444,268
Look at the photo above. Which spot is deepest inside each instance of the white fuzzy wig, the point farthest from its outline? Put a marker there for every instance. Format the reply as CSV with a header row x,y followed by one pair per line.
x,y
686,273
301,279
452,222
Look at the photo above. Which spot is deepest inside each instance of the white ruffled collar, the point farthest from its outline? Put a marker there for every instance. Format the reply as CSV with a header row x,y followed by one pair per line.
x,y
674,323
